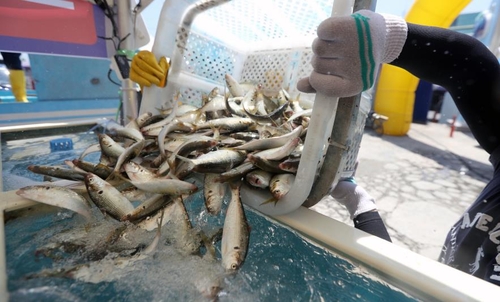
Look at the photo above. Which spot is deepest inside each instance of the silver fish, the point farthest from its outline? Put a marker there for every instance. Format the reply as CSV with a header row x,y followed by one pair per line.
x,y
272,142
259,178
57,196
136,172
90,149
148,207
143,119
165,121
187,239
235,234
63,173
233,105
194,143
234,87
290,165
271,166
237,172
169,213
166,186
280,184
227,123
302,113
130,133
107,198
216,161
280,152
217,103
213,192
109,147
173,126
99,169
270,117
129,153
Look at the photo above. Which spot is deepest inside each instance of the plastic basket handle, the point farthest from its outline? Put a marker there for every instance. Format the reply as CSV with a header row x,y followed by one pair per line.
x,y
323,116
156,97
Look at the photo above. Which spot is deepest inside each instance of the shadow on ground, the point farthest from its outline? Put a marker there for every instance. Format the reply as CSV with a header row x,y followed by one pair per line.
x,y
447,158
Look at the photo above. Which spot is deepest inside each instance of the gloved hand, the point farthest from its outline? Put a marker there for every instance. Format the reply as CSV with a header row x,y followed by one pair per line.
x,y
349,50
145,70
353,197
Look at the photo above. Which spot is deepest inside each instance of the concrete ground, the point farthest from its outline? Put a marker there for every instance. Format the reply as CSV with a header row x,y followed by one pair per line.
x,y
422,183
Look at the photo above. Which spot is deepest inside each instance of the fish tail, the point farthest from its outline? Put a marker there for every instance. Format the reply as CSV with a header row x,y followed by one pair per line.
x,y
115,175
272,199
187,161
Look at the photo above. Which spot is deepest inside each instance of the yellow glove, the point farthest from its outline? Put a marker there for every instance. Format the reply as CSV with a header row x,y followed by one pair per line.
x,y
146,71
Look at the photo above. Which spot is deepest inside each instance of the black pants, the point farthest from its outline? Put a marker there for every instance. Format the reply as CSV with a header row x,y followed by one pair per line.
x,y
372,223
12,60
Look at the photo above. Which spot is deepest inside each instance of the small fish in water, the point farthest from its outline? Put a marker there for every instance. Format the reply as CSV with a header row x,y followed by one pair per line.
x,y
235,233
148,207
57,196
214,192
107,269
107,198
63,173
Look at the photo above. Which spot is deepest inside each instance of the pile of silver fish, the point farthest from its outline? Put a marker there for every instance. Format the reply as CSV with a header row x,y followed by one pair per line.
x,y
145,169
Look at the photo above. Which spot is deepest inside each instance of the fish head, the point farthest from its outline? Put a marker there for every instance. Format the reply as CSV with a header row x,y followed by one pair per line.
x,y
92,180
233,260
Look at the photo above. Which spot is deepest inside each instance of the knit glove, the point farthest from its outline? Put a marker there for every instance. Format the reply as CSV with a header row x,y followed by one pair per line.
x,y
348,51
145,70
353,197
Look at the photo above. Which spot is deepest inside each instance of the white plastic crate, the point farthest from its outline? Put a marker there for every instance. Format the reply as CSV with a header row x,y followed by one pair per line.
x,y
260,42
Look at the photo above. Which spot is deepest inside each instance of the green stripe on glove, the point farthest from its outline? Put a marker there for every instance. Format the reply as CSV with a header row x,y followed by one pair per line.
x,y
365,51
349,50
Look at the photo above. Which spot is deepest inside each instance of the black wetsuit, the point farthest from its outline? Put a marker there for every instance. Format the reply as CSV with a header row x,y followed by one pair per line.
x,y
471,74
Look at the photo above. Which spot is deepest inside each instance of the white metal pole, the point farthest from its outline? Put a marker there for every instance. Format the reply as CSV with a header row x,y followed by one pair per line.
x,y
130,106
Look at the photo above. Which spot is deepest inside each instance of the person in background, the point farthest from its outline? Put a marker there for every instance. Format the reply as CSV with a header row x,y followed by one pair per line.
x,y
16,75
347,53
438,93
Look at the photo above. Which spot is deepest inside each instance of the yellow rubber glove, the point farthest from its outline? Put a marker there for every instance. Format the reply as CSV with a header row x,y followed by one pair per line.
x,y
145,70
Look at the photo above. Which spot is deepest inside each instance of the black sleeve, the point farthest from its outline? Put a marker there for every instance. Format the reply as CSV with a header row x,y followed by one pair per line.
x,y
466,68
372,223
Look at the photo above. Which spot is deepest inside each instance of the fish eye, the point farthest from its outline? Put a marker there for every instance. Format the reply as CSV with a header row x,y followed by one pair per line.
x,y
234,266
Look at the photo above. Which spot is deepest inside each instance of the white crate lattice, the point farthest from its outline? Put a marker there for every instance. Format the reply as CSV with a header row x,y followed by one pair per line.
x,y
209,57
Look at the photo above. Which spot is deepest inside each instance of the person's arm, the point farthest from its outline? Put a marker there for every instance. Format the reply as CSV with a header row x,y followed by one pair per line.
x,y
466,68
346,56
361,207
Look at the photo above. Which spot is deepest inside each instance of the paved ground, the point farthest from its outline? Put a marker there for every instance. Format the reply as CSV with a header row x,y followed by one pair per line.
x,y
422,183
